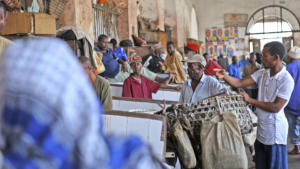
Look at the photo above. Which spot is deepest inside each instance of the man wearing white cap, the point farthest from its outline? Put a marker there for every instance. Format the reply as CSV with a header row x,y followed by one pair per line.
x,y
292,110
199,86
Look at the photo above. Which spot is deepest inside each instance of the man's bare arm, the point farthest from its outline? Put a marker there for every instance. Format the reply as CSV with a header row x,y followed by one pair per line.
x,y
273,107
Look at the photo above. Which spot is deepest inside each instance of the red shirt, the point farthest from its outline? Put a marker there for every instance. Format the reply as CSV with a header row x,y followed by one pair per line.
x,y
132,88
209,69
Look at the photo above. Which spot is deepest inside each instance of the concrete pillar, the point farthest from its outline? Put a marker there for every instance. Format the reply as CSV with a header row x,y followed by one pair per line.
x,y
180,27
79,13
132,17
127,20
123,26
161,15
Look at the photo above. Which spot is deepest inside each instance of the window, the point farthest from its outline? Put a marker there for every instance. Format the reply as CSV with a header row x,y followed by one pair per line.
x,y
271,23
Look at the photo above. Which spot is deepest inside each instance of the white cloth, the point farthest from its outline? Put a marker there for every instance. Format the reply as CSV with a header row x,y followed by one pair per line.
x,y
208,86
272,127
146,64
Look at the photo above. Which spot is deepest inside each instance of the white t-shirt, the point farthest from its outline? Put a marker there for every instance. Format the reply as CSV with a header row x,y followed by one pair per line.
x,y
273,127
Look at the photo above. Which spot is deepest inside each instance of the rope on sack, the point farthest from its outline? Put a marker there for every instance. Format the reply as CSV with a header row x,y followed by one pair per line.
x,y
219,107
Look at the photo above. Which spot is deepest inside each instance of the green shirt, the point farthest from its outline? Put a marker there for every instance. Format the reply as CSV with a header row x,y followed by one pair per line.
x,y
102,89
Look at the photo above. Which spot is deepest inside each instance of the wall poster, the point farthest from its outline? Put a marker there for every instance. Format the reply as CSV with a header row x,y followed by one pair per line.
x,y
223,40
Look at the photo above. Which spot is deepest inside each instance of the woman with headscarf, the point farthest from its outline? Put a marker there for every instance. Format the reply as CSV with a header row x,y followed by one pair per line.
x,y
51,117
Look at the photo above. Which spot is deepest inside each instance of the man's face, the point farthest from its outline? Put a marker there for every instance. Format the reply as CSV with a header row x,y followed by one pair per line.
x,y
267,59
2,18
136,67
234,60
158,51
252,58
195,71
103,44
243,57
88,70
206,57
170,49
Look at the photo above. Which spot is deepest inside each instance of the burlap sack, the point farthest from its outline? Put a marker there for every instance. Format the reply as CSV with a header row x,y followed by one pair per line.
x,y
222,144
184,147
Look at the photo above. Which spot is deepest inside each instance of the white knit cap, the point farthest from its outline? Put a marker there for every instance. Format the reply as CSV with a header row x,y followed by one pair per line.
x,y
294,52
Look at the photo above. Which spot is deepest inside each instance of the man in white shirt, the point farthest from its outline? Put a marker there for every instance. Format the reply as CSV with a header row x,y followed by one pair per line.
x,y
199,86
275,86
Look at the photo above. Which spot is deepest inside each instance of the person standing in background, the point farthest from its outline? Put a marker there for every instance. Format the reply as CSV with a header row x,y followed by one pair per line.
x,y
243,62
173,64
210,66
250,68
223,62
234,69
292,110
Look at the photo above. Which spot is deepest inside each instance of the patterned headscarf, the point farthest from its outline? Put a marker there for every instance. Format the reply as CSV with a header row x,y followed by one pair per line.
x,y
51,117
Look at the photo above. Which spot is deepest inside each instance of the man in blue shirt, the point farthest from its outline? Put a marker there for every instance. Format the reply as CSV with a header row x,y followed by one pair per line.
x,y
292,110
110,61
118,51
234,69
243,62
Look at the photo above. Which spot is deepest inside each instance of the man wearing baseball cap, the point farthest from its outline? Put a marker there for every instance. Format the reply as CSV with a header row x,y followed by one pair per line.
x,y
199,86
138,86
292,110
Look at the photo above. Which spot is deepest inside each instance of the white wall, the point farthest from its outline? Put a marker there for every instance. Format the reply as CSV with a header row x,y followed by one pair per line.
x,y
211,12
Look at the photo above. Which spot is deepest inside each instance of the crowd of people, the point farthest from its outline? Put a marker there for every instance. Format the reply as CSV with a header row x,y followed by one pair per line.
x,y
270,87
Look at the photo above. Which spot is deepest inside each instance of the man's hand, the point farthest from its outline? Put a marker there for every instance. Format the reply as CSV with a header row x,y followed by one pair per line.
x,y
124,67
178,88
246,96
220,73
170,79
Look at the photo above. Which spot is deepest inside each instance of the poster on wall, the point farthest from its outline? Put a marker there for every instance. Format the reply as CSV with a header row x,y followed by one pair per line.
x,y
207,36
223,40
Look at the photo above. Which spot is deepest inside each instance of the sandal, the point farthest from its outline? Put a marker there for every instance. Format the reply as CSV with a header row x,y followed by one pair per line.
x,y
294,151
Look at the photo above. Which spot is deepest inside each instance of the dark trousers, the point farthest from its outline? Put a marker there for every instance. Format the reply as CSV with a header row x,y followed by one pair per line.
x,y
270,156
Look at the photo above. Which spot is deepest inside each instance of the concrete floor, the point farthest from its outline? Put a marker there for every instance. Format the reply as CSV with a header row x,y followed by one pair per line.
x,y
294,160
